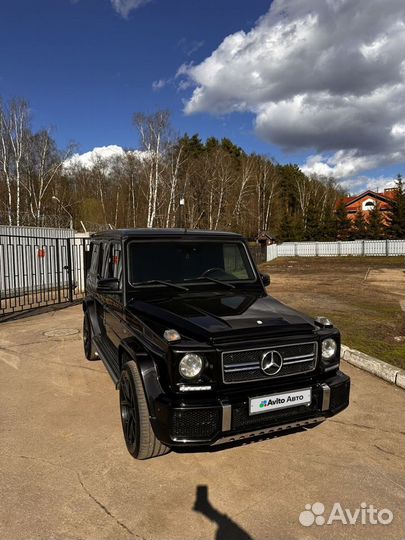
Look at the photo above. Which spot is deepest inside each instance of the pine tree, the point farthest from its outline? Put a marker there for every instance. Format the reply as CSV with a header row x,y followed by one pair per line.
x,y
360,226
343,223
231,148
397,212
291,229
375,225
328,228
313,230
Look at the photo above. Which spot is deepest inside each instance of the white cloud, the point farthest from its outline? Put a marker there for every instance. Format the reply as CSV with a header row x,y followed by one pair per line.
x,y
318,75
189,47
124,7
363,183
100,153
159,84
89,159
346,163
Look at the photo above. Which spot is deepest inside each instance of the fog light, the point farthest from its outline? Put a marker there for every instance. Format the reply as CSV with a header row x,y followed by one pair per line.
x,y
329,348
190,366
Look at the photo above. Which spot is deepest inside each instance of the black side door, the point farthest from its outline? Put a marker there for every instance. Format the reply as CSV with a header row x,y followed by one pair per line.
x,y
113,302
95,272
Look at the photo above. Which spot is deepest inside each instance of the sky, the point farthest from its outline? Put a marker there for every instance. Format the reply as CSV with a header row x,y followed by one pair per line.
x,y
319,83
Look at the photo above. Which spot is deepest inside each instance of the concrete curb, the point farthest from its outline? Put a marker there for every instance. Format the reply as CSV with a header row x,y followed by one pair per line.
x,y
377,367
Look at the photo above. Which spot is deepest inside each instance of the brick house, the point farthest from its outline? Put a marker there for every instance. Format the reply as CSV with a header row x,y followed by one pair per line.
x,y
367,200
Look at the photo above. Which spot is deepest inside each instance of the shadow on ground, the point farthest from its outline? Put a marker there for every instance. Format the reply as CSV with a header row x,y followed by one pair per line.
x,y
227,528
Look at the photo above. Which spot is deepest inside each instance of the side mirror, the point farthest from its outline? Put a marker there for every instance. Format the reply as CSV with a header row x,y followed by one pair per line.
x,y
108,285
265,279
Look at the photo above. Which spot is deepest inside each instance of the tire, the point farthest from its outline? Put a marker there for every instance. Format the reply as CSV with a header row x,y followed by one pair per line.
x,y
138,433
88,345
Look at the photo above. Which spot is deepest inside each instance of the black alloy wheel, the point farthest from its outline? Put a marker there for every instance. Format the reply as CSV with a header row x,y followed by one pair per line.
x,y
138,433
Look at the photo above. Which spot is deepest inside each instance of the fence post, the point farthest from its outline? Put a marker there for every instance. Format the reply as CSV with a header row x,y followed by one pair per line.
x,y
363,249
69,269
58,269
386,247
86,264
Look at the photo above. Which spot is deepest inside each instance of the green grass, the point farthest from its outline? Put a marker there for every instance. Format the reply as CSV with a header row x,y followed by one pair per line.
x,y
368,313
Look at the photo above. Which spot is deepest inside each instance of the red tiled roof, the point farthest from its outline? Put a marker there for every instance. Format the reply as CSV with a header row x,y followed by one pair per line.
x,y
387,196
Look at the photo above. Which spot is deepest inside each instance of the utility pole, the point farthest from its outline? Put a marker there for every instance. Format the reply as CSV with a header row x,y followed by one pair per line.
x,y
181,205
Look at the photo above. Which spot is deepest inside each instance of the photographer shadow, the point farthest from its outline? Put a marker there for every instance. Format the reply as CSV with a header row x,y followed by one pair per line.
x,y
227,528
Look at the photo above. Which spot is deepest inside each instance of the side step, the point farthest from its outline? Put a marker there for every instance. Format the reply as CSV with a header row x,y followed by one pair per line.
x,y
109,357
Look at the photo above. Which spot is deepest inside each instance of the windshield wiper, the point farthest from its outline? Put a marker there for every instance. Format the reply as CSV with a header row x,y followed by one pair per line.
x,y
213,280
160,282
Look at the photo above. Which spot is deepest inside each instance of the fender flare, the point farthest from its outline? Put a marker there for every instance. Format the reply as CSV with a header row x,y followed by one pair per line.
x,y
149,374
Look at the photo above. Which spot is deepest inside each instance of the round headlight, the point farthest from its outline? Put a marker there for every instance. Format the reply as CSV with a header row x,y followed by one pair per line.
x,y
190,366
329,348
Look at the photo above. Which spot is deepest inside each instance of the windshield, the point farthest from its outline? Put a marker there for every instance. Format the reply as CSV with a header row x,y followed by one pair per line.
x,y
187,261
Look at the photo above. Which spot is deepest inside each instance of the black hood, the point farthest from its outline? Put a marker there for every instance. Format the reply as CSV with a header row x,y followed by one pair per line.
x,y
217,315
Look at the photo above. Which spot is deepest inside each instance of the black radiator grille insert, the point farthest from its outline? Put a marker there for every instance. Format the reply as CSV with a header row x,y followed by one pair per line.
x,y
245,365
195,423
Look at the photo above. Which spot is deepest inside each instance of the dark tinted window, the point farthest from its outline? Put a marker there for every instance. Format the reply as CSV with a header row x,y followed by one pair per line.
x,y
94,254
179,261
114,261
100,261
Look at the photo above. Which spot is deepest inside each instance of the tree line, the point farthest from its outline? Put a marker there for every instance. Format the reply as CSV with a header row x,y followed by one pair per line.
x,y
171,181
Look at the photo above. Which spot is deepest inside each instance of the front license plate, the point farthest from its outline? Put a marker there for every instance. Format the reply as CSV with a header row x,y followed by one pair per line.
x,y
273,402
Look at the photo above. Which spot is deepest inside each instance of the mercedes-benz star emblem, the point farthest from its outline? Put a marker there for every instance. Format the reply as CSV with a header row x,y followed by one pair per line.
x,y
271,363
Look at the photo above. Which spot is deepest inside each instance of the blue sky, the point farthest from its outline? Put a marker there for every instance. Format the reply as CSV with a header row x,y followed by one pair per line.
x,y
85,67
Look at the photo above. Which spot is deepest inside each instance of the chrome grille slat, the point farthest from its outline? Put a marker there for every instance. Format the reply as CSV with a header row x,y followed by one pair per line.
x,y
302,361
249,368
288,358
244,365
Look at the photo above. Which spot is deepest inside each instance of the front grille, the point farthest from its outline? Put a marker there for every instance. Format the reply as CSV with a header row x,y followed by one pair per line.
x,y
242,366
195,423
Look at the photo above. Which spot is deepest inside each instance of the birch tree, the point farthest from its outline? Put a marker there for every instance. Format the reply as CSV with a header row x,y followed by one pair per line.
x,y
267,182
243,185
154,132
175,164
14,125
42,163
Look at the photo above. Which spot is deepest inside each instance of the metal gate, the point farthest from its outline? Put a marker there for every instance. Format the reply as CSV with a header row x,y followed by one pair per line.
x,y
258,252
38,271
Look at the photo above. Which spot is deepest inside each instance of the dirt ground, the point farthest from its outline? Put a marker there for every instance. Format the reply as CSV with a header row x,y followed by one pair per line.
x,y
363,296
65,472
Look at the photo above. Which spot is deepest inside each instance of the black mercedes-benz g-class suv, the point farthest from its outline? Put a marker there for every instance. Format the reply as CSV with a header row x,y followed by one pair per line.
x,y
200,353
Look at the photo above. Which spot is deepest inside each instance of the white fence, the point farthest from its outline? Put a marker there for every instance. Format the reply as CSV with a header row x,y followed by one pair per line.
x,y
384,248
43,232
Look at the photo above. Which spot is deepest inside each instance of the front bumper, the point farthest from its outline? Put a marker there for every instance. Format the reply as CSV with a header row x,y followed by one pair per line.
x,y
221,420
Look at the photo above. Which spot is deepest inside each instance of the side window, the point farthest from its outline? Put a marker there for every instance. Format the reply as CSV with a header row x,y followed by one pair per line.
x,y
94,255
100,260
233,262
114,261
